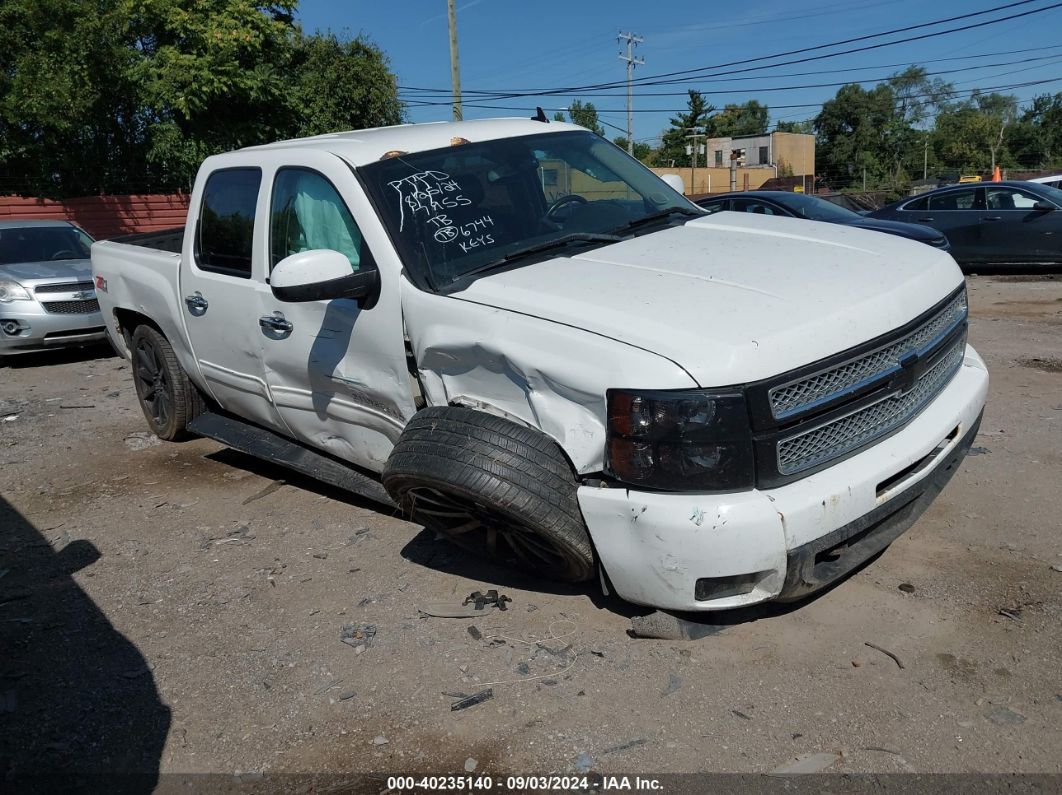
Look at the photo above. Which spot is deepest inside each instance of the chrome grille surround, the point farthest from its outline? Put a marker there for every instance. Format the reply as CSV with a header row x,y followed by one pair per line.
x,y
65,287
808,392
837,437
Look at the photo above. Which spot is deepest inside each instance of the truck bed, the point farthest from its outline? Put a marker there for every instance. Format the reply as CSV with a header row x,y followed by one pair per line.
x,y
169,240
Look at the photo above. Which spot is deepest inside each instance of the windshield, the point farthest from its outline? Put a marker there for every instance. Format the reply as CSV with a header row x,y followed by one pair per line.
x,y
453,211
815,209
42,244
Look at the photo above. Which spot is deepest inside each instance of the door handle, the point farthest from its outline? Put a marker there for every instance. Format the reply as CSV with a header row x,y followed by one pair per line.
x,y
197,304
927,218
275,323
993,218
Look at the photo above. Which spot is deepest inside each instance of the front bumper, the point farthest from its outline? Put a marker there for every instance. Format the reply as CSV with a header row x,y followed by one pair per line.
x,y
721,551
40,330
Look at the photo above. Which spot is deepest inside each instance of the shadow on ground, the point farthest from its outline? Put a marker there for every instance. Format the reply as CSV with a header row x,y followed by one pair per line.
x,y
84,353
78,703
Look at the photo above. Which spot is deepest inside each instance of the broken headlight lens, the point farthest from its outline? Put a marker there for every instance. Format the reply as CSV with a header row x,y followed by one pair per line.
x,y
680,441
12,291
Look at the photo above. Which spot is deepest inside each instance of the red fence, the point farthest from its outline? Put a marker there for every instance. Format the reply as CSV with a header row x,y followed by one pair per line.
x,y
102,216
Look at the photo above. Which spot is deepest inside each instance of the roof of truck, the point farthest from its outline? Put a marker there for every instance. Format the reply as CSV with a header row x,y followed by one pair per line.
x,y
360,147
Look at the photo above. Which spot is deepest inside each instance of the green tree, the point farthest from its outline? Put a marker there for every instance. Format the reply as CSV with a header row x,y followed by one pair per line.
x,y
806,127
642,151
972,135
340,85
851,136
673,142
585,115
121,95
749,118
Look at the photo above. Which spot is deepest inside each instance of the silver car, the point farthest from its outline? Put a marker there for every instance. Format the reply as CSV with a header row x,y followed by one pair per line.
x,y
47,298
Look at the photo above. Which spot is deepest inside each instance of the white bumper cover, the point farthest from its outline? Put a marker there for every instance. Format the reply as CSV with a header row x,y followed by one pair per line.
x,y
655,546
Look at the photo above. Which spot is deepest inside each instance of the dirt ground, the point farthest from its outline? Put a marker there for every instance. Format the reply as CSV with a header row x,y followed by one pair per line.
x,y
178,608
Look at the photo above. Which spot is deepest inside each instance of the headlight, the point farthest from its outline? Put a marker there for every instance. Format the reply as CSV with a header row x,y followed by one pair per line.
x,y
680,441
12,291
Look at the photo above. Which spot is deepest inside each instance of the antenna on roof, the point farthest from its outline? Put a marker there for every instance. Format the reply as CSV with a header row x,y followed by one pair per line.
x,y
540,115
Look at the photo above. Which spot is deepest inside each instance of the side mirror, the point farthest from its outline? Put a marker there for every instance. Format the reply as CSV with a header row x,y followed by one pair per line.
x,y
674,181
320,275
1043,207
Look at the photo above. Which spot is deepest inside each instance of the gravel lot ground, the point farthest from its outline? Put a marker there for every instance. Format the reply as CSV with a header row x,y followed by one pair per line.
x,y
179,608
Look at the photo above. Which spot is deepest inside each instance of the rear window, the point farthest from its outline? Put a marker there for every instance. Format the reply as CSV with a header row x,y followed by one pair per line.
x,y
226,221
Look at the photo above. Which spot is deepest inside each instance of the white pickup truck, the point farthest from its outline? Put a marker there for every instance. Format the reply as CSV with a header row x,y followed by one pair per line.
x,y
530,343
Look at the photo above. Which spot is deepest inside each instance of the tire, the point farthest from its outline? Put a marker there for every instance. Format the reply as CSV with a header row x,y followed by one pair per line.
x,y
168,399
494,488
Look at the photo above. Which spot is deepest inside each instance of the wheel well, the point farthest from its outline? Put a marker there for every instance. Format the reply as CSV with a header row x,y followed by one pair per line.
x,y
493,411
128,320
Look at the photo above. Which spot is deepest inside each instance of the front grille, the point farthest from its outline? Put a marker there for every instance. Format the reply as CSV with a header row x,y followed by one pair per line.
x,y
66,287
71,307
835,438
805,394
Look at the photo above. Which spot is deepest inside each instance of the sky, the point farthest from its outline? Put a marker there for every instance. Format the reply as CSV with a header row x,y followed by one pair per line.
x,y
534,45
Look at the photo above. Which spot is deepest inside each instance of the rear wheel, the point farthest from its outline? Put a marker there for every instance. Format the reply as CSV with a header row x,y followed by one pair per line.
x,y
493,487
168,399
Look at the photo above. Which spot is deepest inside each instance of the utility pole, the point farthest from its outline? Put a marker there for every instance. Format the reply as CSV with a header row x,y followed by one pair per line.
x,y
455,67
632,62
692,138
925,159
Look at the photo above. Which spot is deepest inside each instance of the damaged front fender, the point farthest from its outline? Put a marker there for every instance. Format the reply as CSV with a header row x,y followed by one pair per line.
x,y
539,373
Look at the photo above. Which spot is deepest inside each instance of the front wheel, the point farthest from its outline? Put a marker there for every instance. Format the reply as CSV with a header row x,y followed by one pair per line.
x,y
168,399
494,488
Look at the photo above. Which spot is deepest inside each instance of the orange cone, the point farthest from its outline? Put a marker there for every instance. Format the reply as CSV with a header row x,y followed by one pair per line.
x,y
997,176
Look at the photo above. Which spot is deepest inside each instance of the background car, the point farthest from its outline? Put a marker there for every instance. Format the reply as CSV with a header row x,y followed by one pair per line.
x,y
47,298
1053,181
799,205
1009,224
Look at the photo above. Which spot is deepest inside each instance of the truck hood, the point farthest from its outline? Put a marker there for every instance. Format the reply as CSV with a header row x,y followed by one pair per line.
x,y
69,269
733,298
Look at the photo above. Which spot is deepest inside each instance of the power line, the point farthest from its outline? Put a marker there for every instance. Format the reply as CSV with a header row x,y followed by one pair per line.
x,y
658,79
432,93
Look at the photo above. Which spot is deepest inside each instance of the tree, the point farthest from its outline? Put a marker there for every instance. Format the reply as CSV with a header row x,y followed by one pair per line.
x,y
642,151
972,135
806,127
851,136
132,95
558,116
585,115
750,118
340,85
673,143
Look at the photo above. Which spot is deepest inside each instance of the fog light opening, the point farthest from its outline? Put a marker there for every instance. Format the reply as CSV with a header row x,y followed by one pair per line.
x,y
11,327
708,588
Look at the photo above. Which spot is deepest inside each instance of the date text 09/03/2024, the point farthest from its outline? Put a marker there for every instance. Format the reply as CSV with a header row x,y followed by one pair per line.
x,y
514,783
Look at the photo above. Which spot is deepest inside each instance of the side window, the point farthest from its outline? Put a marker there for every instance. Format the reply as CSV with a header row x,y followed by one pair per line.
x,y
1010,199
955,200
226,221
917,205
753,206
308,213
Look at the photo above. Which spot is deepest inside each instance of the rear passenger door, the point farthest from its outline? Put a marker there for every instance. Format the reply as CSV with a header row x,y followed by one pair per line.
x,y
1013,231
219,287
956,213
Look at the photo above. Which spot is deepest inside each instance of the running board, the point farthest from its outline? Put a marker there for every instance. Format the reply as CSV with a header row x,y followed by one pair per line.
x,y
272,447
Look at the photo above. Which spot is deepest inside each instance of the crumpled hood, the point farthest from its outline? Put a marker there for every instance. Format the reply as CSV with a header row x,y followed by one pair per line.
x,y
73,269
733,297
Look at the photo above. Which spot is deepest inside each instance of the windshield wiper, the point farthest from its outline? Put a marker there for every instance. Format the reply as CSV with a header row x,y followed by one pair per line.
x,y
658,216
538,248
